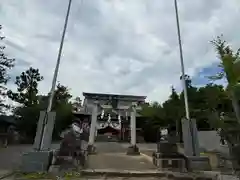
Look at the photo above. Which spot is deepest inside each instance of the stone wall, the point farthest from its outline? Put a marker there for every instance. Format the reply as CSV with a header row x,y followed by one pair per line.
x,y
210,141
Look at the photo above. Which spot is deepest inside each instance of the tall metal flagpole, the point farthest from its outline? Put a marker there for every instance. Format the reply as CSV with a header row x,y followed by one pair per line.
x,y
182,63
194,150
54,81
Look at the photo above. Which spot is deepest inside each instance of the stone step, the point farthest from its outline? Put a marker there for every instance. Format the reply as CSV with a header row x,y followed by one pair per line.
x,y
122,173
145,174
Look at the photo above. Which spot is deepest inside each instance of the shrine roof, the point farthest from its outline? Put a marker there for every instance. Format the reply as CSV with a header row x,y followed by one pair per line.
x,y
116,96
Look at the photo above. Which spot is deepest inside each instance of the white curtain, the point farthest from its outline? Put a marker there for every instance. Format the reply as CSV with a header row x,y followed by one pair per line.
x,y
114,125
101,125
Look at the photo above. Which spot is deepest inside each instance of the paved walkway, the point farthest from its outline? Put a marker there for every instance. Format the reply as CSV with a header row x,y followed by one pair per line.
x,y
119,161
10,157
4,174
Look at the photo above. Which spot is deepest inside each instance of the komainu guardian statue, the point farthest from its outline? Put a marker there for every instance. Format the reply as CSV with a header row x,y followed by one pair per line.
x,y
72,151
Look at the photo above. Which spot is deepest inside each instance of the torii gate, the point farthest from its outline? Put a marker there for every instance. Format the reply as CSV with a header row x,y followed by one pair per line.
x,y
97,109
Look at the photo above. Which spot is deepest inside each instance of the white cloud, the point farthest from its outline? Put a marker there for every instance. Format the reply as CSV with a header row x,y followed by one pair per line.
x,y
117,46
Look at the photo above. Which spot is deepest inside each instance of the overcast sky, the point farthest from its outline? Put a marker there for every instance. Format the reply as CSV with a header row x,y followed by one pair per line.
x,y
118,46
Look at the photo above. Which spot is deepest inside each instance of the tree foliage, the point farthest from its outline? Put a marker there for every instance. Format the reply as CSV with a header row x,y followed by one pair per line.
x,y
5,64
27,87
207,103
61,95
63,108
26,96
230,126
229,70
203,102
28,113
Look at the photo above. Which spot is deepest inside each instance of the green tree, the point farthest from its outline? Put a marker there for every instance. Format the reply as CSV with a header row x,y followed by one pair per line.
x,y
27,119
196,107
5,64
215,98
154,118
27,87
26,95
63,108
154,113
211,98
173,104
229,70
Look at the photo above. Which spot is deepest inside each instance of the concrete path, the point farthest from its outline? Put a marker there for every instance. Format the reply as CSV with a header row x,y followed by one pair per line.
x,y
142,146
4,174
105,147
112,155
11,156
119,161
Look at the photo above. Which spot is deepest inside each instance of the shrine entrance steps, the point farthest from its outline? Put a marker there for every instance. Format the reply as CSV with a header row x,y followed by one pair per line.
x,y
118,166
119,161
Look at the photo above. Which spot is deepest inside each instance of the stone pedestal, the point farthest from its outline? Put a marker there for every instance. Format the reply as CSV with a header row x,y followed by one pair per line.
x,y
36,161
190,137
91,149
191,147
196,163
166,147
168,158
133,150
174,162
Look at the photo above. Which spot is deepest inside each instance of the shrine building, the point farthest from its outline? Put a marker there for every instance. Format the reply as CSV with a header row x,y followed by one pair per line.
x,y
113,118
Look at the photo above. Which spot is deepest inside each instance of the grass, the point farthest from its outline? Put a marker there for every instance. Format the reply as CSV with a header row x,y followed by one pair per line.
x,y
32,176
42,175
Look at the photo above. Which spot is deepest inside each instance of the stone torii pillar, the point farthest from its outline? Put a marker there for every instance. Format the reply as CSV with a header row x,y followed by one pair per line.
x,y
133,149
91,148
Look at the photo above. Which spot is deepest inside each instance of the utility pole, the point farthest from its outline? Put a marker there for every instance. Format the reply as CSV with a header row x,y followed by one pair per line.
x,y
182,62
193,140
54,81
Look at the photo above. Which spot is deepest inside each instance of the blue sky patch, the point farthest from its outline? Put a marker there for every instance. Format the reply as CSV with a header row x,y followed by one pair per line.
x,y
201,78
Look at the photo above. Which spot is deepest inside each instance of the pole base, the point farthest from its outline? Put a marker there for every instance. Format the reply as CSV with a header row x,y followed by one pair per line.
x,y
133,150
91,149
198,163
36,161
